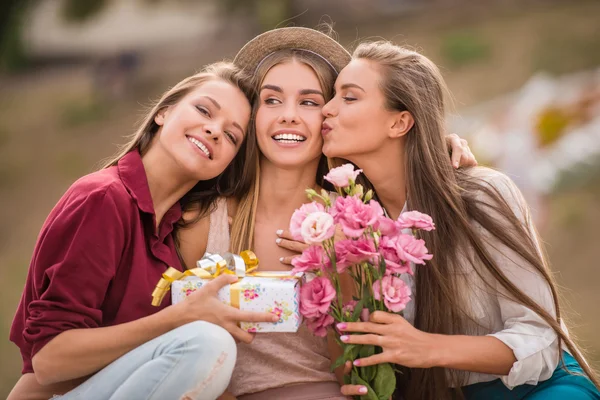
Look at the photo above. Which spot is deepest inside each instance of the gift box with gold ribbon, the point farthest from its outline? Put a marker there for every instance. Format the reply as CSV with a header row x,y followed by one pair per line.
x,y
274,292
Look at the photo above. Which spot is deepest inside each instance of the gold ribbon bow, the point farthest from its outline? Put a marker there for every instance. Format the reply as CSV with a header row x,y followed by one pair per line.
x,y
209,267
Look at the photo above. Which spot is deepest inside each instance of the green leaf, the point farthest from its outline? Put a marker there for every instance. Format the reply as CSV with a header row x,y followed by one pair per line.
x,y
358,309
348,350
385,381
371,395
339,362
347,380
368,373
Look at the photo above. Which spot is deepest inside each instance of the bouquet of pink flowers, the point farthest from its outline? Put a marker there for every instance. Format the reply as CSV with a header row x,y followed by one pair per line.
x,y
376,250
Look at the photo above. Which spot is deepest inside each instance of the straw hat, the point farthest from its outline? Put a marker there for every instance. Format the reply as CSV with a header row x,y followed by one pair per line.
x,y
263,45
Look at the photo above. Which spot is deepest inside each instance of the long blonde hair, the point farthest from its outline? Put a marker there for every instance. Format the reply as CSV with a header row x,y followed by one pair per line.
x,y
411,82
242,228
236,178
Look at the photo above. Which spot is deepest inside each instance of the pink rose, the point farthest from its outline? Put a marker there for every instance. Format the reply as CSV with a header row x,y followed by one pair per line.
x,y
396,294
416,220
320,324
354,216
388,227
349,307
342,176
316,297
342,249
313,258
411,249
317,227
349,252
300,215
392,253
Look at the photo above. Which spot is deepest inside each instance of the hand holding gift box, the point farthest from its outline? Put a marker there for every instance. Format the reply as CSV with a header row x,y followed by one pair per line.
x,y
274,292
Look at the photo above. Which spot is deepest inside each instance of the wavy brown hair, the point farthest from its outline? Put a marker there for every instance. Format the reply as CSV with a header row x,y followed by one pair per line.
x,y
457,201
237,178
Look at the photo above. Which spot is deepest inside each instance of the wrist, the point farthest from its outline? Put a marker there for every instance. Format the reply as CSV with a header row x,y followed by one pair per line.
x,y
176,315
438,350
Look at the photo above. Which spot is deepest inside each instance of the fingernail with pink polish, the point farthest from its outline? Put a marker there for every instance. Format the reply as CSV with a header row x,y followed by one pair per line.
x,y
362,390
344,338
279,232
341,326
356,362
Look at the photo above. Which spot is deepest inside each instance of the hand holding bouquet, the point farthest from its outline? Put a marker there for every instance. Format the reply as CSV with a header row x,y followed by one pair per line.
x,y
375,252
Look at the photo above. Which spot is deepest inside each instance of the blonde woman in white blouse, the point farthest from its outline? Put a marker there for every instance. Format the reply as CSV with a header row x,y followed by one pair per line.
x,y
485,323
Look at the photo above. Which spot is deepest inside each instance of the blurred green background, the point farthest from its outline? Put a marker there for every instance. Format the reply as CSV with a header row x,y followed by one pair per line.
x,y
76,75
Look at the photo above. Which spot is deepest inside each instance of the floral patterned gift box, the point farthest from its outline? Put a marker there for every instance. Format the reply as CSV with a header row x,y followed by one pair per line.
x,y
279,294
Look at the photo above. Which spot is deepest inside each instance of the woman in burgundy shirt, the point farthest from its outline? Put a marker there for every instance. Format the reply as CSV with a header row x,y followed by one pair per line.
x,y
86,307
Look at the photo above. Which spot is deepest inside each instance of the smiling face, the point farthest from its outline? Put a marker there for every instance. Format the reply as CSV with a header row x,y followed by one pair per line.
x,y
357,120
288,117
204,130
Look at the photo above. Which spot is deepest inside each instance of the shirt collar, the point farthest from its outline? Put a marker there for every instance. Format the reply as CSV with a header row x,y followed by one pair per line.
x,y
133,175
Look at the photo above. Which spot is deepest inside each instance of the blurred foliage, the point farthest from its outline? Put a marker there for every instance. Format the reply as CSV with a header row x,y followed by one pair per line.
x,y
13,56
463,48
81,10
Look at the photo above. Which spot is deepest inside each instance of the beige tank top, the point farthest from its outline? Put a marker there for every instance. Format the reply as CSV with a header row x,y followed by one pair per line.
x,y
272,359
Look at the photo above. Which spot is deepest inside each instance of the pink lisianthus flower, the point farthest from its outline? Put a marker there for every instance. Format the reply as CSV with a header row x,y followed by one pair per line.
x,y
317,227
355,216
416,220
316,297
412,249
343,176
396,294
300,215
320,324
313,258
395,261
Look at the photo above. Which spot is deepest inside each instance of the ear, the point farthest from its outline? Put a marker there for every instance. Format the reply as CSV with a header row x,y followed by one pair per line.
x,y
402,122
160,116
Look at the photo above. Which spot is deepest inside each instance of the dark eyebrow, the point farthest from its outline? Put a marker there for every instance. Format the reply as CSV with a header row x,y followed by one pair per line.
x,y
235,124
311,91
351,85
213,101
272,87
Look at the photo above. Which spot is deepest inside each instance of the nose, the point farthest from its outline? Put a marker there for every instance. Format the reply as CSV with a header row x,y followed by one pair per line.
x,y
329,108
213,131
289,114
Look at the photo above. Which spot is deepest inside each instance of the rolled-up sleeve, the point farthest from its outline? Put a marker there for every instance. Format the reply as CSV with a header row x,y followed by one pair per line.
x,y
533,342
74,262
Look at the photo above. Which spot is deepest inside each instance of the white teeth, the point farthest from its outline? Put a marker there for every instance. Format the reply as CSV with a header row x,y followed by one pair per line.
x,y
200,146
289,138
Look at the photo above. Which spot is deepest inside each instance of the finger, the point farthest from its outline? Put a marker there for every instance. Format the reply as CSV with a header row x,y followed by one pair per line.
x,y
375,340
354,390
457,151
373,360
285,234
220,282
287,260
253,316
366,327
240,334
347,368
382,317
292,245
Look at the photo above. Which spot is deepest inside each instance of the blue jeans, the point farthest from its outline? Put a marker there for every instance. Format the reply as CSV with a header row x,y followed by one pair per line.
x,y
192,362
561,386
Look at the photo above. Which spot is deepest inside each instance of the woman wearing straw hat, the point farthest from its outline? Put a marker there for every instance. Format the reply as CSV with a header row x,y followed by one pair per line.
x,y
294,69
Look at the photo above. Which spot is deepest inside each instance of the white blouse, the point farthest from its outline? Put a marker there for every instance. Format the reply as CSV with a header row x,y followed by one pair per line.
x,y
533,341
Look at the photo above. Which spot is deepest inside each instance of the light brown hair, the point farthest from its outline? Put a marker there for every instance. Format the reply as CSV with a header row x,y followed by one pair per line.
x,y
242,228
456,200
237,178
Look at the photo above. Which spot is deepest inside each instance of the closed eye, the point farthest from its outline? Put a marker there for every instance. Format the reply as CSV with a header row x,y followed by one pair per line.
x,y
203,110
231,137
348,98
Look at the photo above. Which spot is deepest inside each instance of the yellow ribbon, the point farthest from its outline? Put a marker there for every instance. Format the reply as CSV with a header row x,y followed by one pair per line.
x,y
214,265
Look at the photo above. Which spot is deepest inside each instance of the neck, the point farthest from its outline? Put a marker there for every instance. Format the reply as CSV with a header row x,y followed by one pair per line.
x,y
166,182
283,189
388,178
